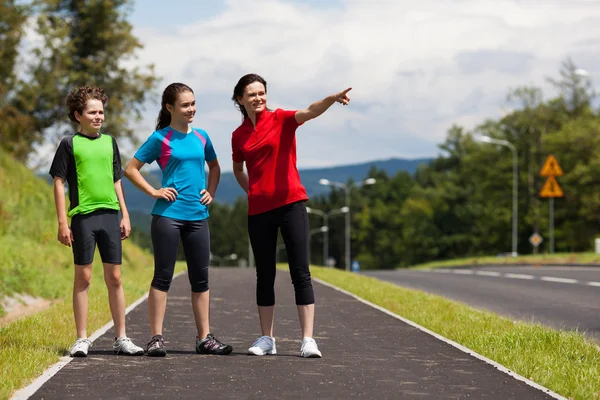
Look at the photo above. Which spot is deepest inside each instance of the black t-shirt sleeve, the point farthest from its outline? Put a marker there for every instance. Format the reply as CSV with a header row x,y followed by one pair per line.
x,y
60,163
117,168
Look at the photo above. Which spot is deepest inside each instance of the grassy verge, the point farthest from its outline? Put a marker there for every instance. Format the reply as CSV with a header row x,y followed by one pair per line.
x,y
30,345
565,362
33,262
592,259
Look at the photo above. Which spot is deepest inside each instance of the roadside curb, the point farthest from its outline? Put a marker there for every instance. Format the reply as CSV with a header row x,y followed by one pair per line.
x,y
29,390
460,347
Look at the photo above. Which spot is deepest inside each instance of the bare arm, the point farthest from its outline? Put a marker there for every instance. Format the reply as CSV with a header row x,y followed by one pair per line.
x,y
319,107
65,236
125,223
240,175
132,172
214,176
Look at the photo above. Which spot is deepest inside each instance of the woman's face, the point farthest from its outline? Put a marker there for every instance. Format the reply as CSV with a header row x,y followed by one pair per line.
x,y
184,109
254,99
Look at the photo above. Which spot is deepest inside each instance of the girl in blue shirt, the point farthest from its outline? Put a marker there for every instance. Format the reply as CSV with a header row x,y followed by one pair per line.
x,y
180,212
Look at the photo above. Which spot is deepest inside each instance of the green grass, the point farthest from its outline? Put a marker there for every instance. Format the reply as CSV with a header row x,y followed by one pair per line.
x,y
32,261
565,362
592,259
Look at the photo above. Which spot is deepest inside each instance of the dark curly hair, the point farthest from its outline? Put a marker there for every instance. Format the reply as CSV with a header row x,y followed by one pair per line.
x,y
78,98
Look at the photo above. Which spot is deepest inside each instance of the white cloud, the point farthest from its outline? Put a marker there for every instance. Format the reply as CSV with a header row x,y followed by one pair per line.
x,y
415,68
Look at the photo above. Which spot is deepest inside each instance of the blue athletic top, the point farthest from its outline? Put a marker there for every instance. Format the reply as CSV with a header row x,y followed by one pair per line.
x,y
181,158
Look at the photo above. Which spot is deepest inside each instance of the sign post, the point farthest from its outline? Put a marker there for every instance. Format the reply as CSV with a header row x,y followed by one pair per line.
x,y
551,189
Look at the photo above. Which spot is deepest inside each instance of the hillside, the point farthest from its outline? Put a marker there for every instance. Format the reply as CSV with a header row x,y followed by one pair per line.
x,y
229,189
32,261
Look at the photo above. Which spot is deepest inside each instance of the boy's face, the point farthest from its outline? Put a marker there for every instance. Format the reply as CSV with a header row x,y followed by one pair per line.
x,y
92,116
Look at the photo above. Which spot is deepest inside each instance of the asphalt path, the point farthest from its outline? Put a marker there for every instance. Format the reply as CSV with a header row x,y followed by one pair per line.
x,y
563,297
367,353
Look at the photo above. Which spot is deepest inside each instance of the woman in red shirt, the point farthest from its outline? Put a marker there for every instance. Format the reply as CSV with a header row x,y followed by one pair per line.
x,y
266,142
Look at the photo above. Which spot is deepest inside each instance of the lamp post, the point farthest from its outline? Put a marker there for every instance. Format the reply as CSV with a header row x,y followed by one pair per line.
x,y
515,201
323,229
346,188
325,216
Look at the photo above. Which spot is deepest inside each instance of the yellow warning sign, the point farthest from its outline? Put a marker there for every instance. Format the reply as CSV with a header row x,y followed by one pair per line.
x,y
551,188
551,167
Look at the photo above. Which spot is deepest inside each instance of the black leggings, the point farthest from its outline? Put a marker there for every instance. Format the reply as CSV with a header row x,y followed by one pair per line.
x,y
195,236
292,219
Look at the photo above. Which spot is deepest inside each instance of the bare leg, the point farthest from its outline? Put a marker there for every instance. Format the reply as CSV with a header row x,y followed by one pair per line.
x,y
81,284
307,319
157,305
266,316
116,297
201,307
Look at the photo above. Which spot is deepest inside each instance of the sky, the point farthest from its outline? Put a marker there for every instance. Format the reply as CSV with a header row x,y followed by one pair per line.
x,y
415,67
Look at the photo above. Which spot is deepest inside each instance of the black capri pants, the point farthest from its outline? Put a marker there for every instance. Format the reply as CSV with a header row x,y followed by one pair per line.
x,y
166,236
263,228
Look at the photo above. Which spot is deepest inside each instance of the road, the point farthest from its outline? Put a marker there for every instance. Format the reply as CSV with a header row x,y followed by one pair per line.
x,y
559,296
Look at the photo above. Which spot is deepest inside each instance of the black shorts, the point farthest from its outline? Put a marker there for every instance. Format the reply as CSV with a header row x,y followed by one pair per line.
x,y
98,227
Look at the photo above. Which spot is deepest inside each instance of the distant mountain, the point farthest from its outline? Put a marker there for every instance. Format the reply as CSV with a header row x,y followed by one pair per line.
x,y
229,190
140,205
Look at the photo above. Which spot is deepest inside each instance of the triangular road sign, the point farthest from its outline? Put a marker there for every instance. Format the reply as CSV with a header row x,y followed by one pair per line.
x,y
551,167
551,188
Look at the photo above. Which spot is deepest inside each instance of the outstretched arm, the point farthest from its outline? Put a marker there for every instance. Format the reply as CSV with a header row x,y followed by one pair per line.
x,y
319,107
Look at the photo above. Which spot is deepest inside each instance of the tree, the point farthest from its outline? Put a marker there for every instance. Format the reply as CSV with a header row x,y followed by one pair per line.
x,y
575,86
84,43
12,26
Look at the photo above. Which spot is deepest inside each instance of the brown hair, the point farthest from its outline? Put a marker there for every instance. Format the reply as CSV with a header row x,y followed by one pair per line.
x,y
169,96
78,98
238,90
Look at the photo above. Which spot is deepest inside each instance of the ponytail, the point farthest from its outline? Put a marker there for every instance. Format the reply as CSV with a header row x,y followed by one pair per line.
x,y
164,118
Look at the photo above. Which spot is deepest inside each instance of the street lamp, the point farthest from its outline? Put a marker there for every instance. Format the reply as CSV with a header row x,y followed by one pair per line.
x,y
323,229
326,216
346,188
515,201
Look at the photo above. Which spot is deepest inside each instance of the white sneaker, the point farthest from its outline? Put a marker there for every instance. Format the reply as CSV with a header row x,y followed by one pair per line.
x,y
80,347
262,346
124,345
309,348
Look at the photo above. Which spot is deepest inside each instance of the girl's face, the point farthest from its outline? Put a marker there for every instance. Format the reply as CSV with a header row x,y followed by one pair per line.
x,y
184,109
254,99
92,116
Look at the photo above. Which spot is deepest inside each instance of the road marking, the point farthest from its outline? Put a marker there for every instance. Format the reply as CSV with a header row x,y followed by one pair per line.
x,y
442,270
472,353
488,273
519,276
560,280
463,271
594,284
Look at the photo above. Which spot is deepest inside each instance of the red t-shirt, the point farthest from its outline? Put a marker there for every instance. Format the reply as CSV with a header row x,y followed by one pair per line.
x,y
269,150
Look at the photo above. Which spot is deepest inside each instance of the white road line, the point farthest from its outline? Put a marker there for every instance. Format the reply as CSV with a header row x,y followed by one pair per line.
x,y
29,390
488,273
560,280
493,363
442,270
597,284
519,276
463,271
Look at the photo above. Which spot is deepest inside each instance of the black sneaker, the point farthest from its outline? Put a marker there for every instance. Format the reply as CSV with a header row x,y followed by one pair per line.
x,y
156,347
211,345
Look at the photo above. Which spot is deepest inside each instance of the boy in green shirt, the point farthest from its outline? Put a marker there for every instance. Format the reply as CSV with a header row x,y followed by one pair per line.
x,y
90,163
